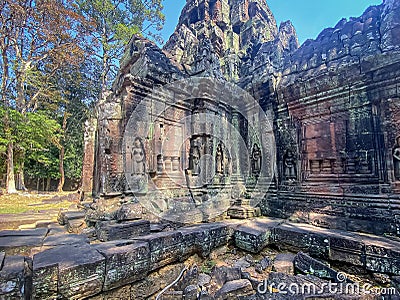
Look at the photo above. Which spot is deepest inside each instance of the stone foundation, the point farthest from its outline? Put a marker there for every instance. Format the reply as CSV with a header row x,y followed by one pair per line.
x,y
141,267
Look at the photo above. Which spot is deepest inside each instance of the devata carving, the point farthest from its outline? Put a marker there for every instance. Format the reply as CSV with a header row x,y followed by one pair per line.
x,y
396,160
194,158
138,158
289,165
256,160
219,159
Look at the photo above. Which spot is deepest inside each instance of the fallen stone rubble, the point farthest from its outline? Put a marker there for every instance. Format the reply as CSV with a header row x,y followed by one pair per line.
x,y
67,266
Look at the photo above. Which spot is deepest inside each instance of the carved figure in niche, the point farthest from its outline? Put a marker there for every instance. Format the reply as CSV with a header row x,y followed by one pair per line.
x,y
138,158
160,163
344,160
227,167
194,162
219,159
289,164
256,160
396,159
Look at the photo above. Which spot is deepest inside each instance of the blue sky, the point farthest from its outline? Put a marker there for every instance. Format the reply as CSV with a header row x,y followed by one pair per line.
x,y
309,17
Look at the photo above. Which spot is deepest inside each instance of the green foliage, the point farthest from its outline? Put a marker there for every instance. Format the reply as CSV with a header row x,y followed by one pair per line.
x,y
116,21
33,135
30,131
208,266
58,57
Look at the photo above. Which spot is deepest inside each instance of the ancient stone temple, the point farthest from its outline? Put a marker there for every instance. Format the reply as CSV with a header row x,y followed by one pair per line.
x,y
233,120
320,141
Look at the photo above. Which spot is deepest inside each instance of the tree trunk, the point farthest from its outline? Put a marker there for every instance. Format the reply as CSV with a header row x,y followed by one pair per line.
x,y
62,173
19,86
20,175
62,154
10,181
48,183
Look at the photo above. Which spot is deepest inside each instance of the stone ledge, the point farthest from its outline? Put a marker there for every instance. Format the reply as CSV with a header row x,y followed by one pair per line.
x,y
72,271
21,241
109,231
13,278
80,270
374,253
165,248
126,262
255,236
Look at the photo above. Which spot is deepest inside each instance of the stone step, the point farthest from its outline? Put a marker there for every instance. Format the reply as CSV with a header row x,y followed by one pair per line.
x,y
38,224
21,242
109,231
242,212
64,216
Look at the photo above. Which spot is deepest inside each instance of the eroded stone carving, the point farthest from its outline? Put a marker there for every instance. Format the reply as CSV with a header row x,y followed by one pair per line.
x,y
256,160
396,160
138,158
219,159
194,159
290,164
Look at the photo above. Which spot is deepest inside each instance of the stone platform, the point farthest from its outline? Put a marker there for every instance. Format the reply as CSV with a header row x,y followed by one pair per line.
x,y
67,266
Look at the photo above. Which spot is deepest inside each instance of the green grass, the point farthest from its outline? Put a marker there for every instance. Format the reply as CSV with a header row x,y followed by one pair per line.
x,y
23,203
208,266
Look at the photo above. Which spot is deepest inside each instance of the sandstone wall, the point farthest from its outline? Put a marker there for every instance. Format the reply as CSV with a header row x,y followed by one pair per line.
x,y
335,103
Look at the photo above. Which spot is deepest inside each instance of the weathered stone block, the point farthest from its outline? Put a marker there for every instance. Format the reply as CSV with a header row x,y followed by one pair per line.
x,y
189,247
309,265
256,235
284,263
21,241
44,278
205,238
65,239
65,216
76,225
235,289
2,255
28,232
221,275
348,248
12,278
80,268
126,262
129,211
382,256
327,221
165,248
291,237
122,293
110,231
190,292
319,245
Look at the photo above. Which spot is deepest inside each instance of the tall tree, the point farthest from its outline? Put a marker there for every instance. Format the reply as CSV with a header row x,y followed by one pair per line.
x,y
116,21
37,38
80,91
35,132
